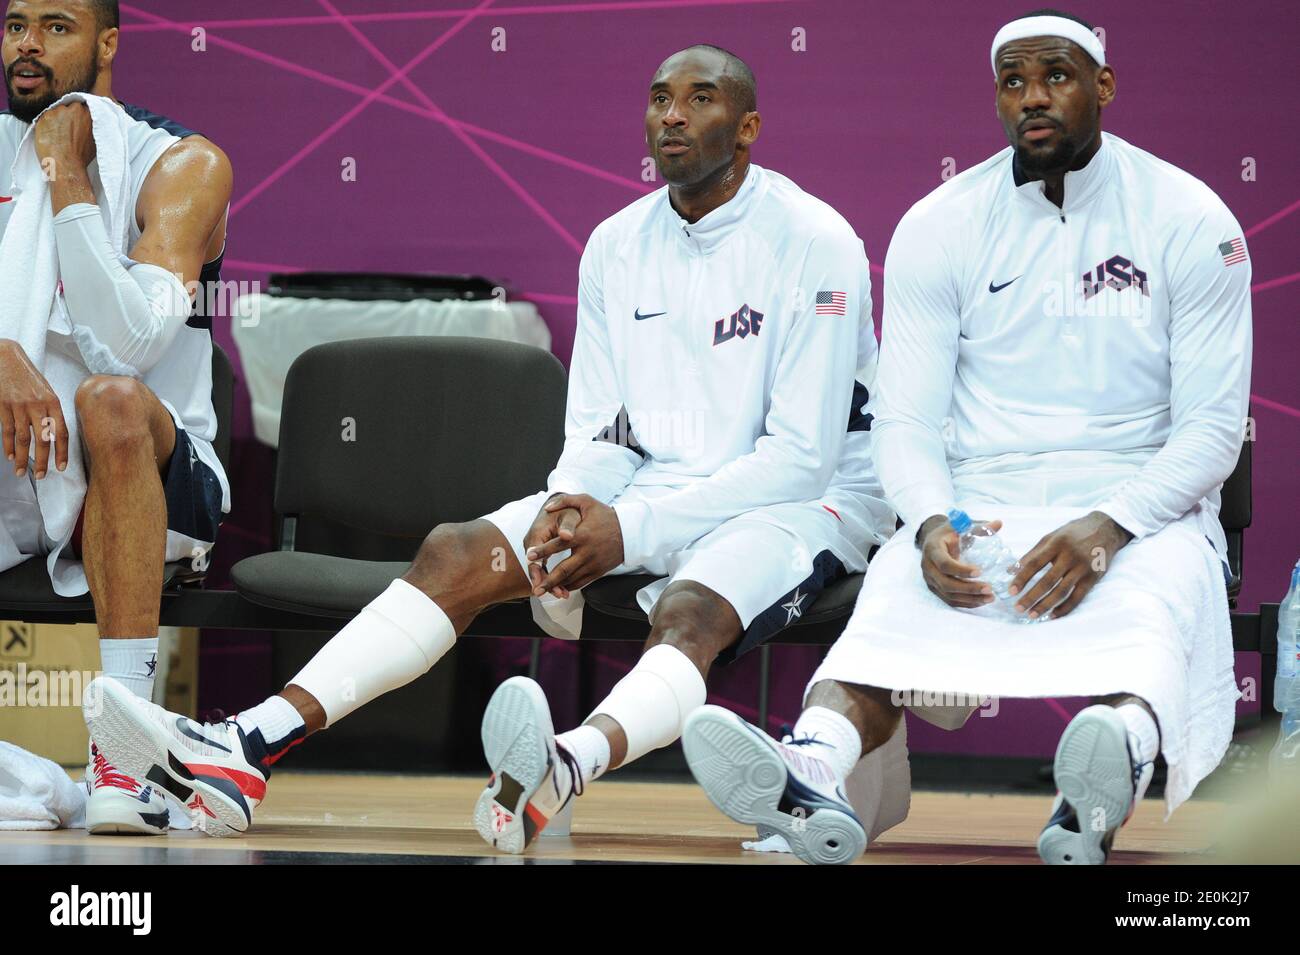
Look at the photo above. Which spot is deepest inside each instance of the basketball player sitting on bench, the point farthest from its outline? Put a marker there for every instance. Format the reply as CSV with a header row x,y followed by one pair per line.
x,y
141,418
731,304
1066,348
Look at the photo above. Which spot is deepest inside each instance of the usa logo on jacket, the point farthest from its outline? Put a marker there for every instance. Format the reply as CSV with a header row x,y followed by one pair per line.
x,y
743,322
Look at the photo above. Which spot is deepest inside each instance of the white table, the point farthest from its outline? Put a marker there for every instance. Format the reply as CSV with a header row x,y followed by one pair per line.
x,y
271,331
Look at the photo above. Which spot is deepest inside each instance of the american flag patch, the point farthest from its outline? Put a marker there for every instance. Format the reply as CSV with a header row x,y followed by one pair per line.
x,y
831,303
1233,252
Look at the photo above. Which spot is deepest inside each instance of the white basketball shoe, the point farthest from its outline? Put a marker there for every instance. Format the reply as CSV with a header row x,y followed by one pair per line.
x,y
213,769
1097,774
532,779
117,804
782,788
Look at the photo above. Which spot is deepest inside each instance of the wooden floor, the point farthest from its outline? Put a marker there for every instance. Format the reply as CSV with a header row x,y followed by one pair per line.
x,y
362,818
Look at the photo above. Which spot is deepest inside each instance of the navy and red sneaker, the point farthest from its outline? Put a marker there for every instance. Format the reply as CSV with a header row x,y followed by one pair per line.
x,y
216,770
782,788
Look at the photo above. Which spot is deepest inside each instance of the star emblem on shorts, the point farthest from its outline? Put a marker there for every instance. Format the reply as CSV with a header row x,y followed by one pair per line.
x,y
794,607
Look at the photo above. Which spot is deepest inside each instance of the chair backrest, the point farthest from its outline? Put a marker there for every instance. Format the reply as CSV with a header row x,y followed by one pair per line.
x,y
223,404
397,435
1235,503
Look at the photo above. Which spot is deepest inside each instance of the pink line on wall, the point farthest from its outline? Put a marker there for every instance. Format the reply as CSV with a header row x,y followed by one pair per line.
x,y
1280,214
1275,406
548,298
1057,708
333,81
512,184
1274,283
243,265
351,114
408,15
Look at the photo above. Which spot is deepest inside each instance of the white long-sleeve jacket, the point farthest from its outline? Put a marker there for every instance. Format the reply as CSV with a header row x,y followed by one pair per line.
x,y
704,362
1097,354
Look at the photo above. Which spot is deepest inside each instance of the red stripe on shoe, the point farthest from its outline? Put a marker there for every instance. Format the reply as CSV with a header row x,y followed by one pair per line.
x,y
272,760
536,816
254,787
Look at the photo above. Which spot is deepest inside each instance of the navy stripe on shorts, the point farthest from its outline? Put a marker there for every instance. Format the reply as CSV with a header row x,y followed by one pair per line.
x,y
826,569
193,493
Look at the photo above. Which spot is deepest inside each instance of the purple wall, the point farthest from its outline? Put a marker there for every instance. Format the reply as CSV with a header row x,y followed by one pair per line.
x,y
502,163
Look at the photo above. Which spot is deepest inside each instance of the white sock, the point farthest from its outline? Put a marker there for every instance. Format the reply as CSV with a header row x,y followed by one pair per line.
x,y
842,747
1142,728
276,724
395,638
652,702
131,662
589,748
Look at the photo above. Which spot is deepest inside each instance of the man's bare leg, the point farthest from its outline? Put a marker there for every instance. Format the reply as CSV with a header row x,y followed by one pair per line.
x,y
869,708
700,624
464,569
129,438
696,622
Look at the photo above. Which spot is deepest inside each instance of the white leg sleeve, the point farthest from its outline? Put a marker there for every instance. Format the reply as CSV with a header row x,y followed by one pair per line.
x,y
652,702
398,636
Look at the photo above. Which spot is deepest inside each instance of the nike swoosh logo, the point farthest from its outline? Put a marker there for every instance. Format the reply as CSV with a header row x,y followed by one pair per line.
x,y
999,288
182,724
155,819
6,198
641,318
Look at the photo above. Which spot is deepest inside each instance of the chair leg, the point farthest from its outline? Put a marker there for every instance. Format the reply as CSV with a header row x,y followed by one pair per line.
x,y
764,683
535,658
1268,614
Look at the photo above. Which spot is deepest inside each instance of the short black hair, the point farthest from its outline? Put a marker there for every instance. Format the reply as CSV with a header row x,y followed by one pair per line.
x,y
1050,12
107,14
738,79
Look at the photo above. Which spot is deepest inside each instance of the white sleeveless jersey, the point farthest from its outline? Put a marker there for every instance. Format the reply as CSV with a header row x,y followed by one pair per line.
x,y
182,379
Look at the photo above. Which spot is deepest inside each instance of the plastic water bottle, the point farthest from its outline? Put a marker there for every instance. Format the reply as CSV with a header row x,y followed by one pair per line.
x,y
1285,758
1284,761
982,547
1285,685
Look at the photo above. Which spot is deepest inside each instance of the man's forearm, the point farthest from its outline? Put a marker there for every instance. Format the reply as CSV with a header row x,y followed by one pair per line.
x,y
69,183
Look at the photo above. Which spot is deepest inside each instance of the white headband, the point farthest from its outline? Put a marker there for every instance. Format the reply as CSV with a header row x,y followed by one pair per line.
x,y
1048,26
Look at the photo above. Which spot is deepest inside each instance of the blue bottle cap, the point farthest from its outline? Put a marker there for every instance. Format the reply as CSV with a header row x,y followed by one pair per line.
x,y
959,520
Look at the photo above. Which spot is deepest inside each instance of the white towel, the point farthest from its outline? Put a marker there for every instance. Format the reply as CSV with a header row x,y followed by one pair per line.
x,y
37,794
32,309
1156,625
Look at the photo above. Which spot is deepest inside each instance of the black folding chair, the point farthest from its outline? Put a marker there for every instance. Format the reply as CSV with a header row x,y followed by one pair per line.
x,y
394,436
